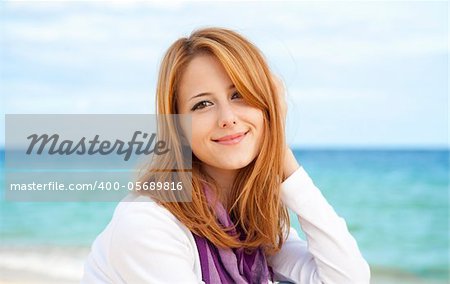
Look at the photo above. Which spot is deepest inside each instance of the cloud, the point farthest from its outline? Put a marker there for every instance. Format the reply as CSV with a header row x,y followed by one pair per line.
x,y
89,57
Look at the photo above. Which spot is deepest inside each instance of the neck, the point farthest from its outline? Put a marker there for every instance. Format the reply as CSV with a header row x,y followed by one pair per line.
x,y
224,179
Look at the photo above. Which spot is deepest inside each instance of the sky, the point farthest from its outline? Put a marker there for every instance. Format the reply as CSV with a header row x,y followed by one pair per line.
x,y
358,74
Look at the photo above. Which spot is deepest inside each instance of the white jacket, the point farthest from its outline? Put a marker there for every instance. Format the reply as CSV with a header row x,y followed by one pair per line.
x,y
145,243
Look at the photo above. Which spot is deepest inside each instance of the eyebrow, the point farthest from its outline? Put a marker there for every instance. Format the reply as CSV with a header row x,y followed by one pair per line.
x,y
207,93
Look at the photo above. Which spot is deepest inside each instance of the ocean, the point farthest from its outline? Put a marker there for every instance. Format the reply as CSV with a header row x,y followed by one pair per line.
x,y
395,203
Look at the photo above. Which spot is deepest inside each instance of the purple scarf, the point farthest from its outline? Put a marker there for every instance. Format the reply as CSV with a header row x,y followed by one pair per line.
x,y
229,265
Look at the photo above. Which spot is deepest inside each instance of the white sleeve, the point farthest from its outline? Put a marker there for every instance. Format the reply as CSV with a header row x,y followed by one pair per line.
x,y
331,254
149,246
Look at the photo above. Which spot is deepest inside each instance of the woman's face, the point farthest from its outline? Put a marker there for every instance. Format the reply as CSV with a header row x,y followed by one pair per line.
x,y
226,131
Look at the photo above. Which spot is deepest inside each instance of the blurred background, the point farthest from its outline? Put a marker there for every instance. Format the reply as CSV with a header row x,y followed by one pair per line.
x,y
367,91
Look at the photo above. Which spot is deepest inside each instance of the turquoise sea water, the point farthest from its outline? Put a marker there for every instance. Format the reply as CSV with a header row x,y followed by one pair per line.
x,y
395,204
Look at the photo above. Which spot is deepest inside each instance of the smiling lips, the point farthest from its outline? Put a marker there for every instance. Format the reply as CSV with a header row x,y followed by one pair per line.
x,y
231,139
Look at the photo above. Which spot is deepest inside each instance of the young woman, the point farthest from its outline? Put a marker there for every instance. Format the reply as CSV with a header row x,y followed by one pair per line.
x,y
244,178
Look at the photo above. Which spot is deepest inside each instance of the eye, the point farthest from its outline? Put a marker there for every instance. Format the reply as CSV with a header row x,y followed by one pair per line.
x,y
237,95
201,105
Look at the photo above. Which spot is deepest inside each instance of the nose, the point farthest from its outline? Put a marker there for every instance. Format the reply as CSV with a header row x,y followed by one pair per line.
x,y
227,116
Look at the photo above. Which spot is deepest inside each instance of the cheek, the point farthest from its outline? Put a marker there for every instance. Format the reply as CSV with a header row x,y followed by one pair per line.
x,y
199,143
260,120
256,117
201,130
196,136
260,130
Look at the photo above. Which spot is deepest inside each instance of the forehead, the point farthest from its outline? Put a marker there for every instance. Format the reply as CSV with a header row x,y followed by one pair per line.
x,y
204,73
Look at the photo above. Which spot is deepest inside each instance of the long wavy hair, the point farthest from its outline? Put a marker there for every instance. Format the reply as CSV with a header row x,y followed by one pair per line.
x,y
256,205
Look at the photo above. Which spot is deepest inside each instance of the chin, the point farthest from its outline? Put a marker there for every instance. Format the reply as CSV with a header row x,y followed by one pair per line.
x,y
231,165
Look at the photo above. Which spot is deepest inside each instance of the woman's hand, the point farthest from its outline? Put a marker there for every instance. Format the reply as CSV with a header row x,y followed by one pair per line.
x,y
290,163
